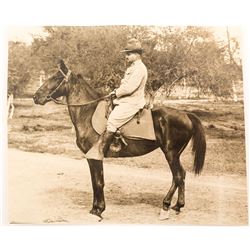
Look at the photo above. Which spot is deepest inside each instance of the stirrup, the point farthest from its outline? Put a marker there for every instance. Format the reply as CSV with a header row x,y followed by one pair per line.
x,y
116,144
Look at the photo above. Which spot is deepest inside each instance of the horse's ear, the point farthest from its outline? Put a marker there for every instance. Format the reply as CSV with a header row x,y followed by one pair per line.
x,y
62,66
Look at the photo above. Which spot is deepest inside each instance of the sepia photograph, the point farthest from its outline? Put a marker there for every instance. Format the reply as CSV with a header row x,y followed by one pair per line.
x,y
126,124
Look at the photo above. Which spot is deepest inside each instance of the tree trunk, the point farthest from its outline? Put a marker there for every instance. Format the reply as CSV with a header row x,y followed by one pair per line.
x,y
235,98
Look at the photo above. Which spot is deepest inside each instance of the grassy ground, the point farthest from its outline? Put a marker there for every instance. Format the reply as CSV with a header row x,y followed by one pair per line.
x,y
48,129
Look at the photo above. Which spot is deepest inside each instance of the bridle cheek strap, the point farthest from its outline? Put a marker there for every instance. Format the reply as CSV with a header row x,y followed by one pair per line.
x,y
65,79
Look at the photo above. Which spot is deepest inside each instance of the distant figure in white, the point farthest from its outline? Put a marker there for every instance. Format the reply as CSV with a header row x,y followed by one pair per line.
x,y
10,106
42,77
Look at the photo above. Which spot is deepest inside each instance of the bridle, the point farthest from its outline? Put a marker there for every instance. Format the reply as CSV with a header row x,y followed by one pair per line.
x,y
66,80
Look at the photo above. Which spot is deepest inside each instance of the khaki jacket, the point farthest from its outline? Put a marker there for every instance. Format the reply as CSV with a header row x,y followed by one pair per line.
x,y
132,88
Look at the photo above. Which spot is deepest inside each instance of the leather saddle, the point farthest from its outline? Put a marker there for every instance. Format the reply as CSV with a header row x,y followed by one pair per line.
x,y
139,127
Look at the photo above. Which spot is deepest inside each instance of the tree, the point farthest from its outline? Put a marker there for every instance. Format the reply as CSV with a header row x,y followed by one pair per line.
x,y
91,51
18,67
171,54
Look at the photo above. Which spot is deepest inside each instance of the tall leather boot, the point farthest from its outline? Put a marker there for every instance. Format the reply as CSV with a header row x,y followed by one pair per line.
x,y
100,147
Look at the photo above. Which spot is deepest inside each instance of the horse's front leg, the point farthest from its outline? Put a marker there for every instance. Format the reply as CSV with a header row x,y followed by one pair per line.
x,y
96,171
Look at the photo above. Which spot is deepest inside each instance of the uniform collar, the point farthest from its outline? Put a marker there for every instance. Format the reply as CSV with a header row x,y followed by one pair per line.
x,y
138,61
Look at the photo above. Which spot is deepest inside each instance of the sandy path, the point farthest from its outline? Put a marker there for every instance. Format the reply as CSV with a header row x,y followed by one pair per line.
x,y
45,188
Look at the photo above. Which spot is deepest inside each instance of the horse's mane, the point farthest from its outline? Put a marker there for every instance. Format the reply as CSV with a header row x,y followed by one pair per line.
x,y
79,76
80,79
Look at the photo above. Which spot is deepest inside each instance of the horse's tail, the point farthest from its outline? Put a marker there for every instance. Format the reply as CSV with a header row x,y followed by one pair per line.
x,y
199,143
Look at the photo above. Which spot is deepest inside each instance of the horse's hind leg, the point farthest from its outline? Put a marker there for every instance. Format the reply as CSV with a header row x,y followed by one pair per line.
x,y
178,181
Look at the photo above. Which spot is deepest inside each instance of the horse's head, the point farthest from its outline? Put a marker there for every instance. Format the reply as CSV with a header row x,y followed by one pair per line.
x,y
54,87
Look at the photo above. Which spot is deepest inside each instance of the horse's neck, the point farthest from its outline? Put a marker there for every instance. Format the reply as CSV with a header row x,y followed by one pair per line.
x,y
81,93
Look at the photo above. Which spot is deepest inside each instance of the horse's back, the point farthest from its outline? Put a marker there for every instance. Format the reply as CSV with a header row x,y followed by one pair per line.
x,y
173,117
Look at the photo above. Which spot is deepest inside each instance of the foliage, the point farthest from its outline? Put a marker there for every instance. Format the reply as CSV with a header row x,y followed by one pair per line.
x,y
92,51
19,73
171,54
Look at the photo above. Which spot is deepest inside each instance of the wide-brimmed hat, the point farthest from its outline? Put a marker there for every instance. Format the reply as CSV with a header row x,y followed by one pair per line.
x,y
133,45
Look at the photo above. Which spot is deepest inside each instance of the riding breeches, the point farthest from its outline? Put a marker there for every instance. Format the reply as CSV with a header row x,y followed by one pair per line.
x,y
120,115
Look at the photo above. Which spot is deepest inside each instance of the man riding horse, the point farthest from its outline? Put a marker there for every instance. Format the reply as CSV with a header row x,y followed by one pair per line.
x,y
173,129
129,98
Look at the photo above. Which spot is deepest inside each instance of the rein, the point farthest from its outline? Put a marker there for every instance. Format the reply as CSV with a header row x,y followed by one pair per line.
x,y
66,79
78,104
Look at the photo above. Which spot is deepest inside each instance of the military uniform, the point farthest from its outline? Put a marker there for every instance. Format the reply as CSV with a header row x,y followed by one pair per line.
x,y
130,96
129,99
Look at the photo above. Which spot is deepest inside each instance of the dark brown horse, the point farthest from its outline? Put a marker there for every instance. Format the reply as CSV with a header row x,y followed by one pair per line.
x,y
173,129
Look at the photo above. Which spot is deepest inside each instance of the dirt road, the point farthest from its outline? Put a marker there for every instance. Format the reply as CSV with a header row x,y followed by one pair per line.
x,y
44,188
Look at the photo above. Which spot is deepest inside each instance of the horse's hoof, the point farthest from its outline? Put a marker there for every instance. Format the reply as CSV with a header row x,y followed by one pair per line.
x,y
164,214
97,214
92,219
176,208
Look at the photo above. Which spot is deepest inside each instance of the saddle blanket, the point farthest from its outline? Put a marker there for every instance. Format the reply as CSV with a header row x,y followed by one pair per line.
x,y
131,130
